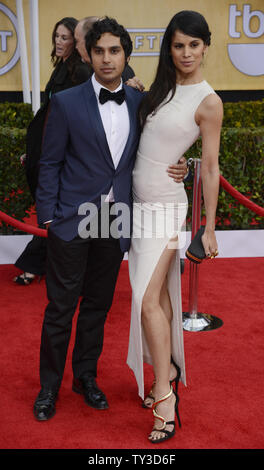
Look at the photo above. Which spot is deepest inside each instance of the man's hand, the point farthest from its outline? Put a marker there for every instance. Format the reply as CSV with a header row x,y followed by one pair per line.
x,y
135,83
179,171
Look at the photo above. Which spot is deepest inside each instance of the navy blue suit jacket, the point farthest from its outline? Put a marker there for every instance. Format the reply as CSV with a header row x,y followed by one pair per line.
x,y
76,165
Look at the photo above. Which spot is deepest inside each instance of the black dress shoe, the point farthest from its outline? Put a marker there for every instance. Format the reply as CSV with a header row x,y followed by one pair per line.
x,y
44,406
93,396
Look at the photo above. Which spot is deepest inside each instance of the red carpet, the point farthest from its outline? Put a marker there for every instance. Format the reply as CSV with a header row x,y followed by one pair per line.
x,y
221,408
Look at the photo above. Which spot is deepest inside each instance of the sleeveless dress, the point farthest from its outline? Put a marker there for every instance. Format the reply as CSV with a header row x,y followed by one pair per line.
x,y
159,212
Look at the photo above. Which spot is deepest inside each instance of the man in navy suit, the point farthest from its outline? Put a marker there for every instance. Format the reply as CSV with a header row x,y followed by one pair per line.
x,y
89,150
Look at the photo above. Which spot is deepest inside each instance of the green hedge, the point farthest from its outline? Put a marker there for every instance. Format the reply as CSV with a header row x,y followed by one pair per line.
x,y
16,115
240,114
241,163
244,114
15,198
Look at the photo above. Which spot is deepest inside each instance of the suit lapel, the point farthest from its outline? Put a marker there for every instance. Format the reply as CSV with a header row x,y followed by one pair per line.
x,y
96,122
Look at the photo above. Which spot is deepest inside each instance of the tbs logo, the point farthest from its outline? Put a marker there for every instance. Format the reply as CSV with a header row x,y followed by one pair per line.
x,y
247,58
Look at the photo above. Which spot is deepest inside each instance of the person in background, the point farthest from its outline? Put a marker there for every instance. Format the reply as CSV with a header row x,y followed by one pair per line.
x,y
69,71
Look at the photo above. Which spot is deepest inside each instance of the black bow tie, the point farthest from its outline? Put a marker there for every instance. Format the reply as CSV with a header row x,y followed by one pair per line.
x,y
106,95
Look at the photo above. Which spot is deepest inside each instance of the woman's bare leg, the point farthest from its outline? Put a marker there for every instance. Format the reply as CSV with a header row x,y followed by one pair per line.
x,y
165,304
157,327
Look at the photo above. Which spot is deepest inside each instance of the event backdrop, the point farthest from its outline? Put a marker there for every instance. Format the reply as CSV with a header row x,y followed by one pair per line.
x,y
235,60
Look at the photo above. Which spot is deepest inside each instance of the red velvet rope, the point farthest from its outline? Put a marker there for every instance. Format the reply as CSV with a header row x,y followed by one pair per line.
x,y
224,183
22,226
239,197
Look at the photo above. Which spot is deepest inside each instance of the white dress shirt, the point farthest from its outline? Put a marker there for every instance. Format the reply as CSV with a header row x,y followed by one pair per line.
x,y
115,119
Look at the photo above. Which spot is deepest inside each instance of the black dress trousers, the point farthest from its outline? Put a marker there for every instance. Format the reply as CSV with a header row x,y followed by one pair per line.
x,y
86,268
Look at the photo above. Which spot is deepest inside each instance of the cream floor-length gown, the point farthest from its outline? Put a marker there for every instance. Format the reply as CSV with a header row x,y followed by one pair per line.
x,y
159,212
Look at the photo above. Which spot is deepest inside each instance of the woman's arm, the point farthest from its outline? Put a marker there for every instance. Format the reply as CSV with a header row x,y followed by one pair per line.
x,y
209,116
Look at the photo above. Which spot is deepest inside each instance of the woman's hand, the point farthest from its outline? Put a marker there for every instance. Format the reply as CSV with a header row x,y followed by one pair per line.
x,y
209,243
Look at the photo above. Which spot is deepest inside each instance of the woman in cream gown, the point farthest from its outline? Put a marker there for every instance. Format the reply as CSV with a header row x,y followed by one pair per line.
x,y
179,107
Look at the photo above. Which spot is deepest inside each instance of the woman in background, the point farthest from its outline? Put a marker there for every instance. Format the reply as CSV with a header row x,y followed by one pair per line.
x,y
69,71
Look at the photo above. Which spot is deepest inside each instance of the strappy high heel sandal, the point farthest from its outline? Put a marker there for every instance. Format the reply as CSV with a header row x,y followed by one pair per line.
x,y
176,380
163,430
23,279
150,396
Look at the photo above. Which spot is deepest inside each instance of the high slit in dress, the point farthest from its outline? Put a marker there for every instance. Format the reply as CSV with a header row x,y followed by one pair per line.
x,y
159,212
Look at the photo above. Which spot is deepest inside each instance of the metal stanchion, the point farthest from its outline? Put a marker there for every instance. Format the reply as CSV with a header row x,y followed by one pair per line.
x,y
194,320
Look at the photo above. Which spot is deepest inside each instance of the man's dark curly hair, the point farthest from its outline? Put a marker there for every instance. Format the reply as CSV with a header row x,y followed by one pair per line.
x,y
108,25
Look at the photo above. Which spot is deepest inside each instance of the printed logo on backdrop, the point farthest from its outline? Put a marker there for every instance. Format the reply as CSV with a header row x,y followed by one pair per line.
x,y
9,52
146,41
247,58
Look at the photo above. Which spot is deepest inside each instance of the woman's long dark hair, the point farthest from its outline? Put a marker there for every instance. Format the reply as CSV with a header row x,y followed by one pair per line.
x,y
70,23
190,23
